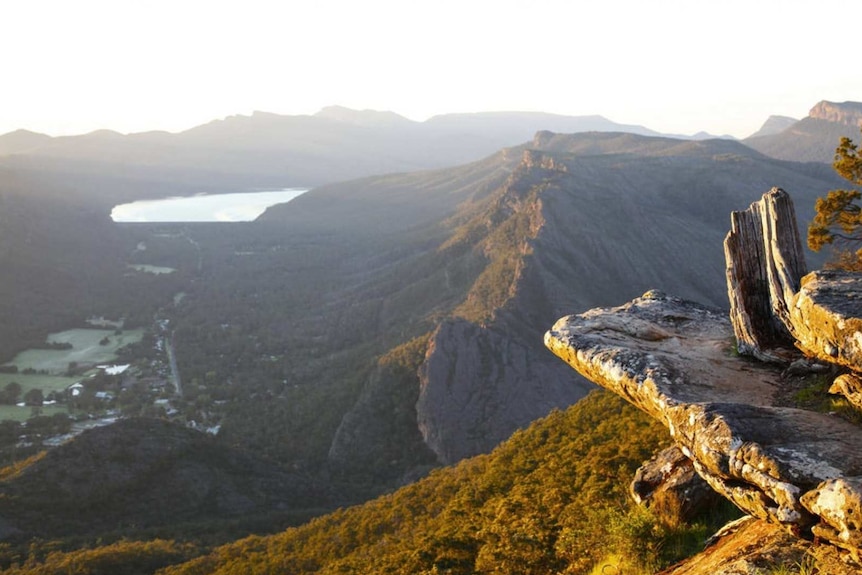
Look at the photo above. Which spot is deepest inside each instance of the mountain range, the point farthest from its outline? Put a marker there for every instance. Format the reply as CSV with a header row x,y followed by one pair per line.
x,y
374,328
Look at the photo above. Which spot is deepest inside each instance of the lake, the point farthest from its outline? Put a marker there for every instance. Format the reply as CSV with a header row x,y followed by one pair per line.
x,y
243,207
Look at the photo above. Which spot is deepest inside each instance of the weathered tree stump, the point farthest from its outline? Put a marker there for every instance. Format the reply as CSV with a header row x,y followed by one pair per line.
x,y
765,264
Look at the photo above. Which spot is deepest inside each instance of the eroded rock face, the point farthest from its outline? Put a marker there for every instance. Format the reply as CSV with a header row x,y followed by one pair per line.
x,y
848,113
839,502
850,386
826,315
755,547
669,484
672,359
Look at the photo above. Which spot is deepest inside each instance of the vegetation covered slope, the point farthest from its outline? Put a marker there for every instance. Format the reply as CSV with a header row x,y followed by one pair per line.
x,y
808,140
551,499
147,474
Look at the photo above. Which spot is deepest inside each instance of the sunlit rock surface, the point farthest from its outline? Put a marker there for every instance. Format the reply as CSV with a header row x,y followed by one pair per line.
x,y
674,360
669,484
826,315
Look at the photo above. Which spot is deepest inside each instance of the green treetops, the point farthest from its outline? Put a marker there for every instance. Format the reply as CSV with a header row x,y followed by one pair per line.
x,y
838,221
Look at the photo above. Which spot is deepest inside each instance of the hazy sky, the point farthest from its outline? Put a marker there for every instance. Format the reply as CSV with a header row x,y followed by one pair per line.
x,y
70,67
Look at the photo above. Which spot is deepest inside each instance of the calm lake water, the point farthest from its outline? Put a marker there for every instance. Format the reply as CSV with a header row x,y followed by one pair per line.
x,y
216,208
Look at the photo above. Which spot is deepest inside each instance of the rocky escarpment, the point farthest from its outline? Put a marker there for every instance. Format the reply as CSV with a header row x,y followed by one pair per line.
x,y
675,360
485,373
848,113
813,138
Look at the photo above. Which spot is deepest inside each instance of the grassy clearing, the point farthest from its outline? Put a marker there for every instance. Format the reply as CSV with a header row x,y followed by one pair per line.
x,y
86,349
15,413
46,383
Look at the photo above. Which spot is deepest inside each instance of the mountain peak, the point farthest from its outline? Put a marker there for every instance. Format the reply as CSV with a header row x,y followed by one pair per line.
x,y
774,125
21,141
847,113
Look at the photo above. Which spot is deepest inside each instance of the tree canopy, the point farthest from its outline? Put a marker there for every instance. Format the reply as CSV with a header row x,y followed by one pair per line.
x,y
838,218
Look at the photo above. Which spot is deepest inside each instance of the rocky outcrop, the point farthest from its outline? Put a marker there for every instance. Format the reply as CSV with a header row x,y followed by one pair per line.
x,y
847,113
765,263
669,484
826,317
673,359
754,547
850,386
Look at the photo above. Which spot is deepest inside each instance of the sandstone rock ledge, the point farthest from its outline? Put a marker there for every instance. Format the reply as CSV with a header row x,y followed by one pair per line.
x,y
673,359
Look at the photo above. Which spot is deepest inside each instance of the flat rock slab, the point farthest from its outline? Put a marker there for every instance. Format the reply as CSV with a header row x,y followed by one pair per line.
x,y
674,360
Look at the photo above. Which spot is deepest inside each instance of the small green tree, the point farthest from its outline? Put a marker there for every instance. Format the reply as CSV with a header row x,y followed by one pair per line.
x,y
34,397
838,221
10,393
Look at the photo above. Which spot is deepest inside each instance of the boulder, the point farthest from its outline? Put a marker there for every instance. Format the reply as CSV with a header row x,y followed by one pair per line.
x,y
669,485
850,386
839,502
826,317
674,360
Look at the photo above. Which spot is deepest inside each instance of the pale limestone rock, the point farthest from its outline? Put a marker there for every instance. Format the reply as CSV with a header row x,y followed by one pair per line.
x,y
850,386
718,407
839,503
826,315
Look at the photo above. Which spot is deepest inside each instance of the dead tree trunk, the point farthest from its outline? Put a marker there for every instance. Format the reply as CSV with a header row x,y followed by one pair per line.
x,y
765,262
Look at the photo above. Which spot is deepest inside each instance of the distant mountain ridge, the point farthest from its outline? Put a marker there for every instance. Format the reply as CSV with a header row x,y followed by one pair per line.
x,y
814,138
774,125
271,150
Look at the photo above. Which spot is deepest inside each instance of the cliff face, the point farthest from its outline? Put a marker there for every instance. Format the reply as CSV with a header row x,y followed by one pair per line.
x,y
847,113
479,384
484,376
